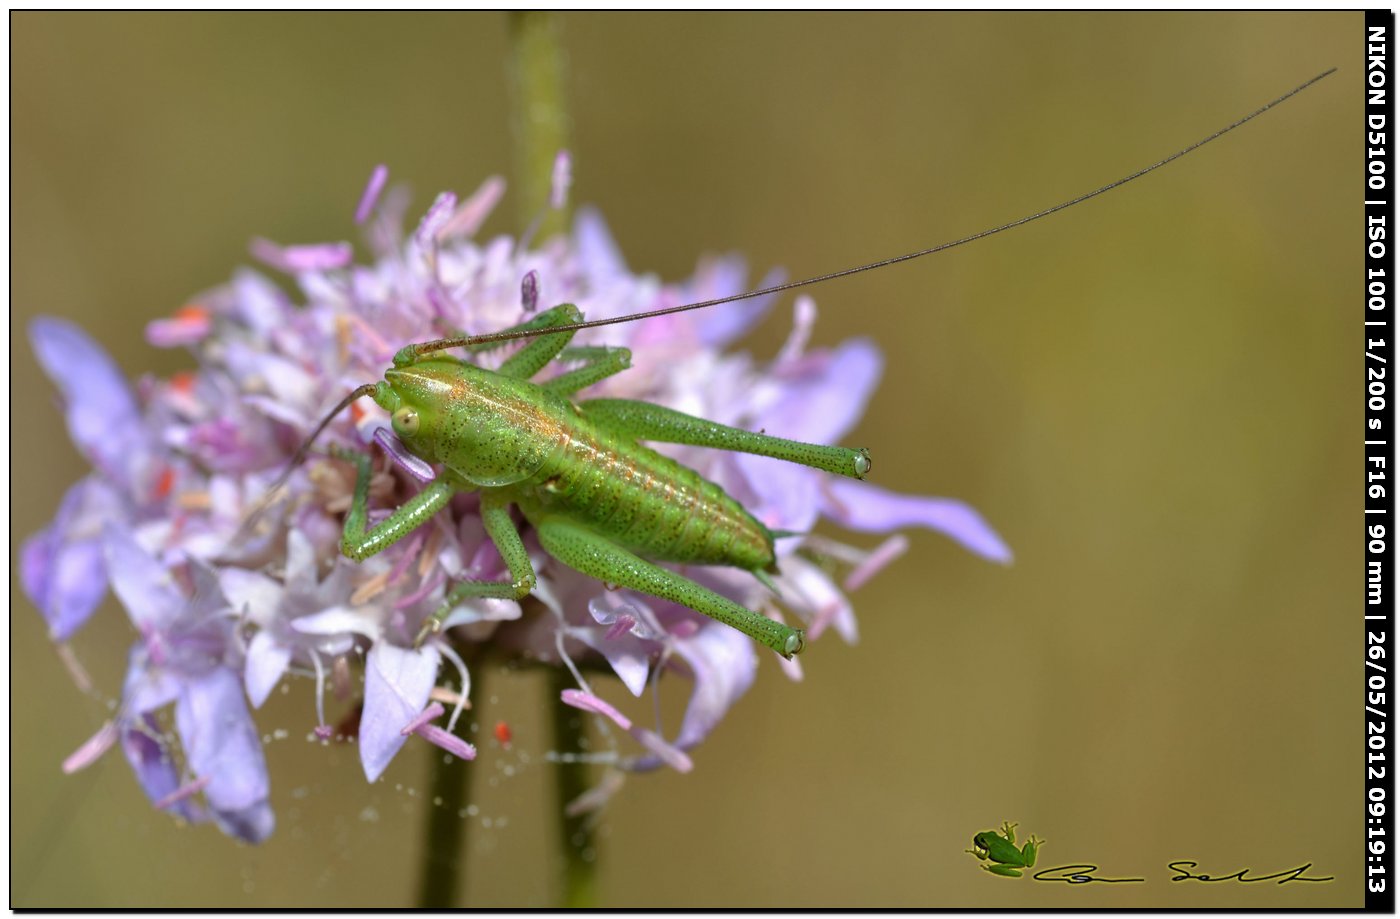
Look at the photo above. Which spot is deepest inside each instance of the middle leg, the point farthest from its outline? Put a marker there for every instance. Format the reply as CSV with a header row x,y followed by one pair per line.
x,y
495,514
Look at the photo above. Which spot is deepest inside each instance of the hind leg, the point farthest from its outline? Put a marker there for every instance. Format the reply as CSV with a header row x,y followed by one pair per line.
x,y
645,421
599,557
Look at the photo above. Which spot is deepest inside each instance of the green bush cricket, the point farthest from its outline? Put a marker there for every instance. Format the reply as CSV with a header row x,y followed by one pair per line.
x,y
600,501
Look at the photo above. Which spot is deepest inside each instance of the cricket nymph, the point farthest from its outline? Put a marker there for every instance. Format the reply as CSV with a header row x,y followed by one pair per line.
x,y
554,460
601,502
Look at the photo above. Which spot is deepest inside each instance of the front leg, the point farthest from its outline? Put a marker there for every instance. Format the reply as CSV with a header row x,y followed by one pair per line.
x,y
356,542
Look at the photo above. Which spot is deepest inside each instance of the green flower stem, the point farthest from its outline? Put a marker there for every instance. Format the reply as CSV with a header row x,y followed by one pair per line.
x,y
537,70
572,779
444,865
541,127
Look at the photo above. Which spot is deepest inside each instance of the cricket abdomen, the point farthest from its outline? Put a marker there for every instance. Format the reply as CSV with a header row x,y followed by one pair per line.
x,y
646,502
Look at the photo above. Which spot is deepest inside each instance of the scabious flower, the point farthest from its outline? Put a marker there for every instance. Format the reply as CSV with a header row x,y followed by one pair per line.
x,y
233,577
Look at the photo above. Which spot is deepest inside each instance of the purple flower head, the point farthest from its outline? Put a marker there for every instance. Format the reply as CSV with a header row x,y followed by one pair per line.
x,y
231,571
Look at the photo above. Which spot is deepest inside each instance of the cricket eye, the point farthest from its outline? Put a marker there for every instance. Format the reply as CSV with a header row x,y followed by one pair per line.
x,y
405,422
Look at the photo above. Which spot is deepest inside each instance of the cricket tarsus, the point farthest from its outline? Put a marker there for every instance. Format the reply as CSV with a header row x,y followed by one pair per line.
x,y
510,334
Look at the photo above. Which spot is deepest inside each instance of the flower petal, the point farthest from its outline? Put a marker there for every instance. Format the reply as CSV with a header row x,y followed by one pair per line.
x,y
598,254
144,585
338,620
251,593
266,662
397,684
147,687
722,324
299,575
154,768
481,609
861,506
722,664
291,386
221,745
103,419
786,495
260,303
62,568
821,407
628,653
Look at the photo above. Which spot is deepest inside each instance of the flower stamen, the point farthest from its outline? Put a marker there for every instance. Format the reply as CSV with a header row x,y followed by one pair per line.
x,y
889,550
435,735
92,749
370,196
183,792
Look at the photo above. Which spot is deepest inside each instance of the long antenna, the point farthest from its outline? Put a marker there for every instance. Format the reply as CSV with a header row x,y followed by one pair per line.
x,y
364,390
297,458
445,343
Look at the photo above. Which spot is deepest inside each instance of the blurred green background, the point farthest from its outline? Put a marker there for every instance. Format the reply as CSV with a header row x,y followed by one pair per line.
x,y
1153,397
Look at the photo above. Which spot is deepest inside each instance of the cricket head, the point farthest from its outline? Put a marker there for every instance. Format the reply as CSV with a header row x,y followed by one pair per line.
x,y
415,397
